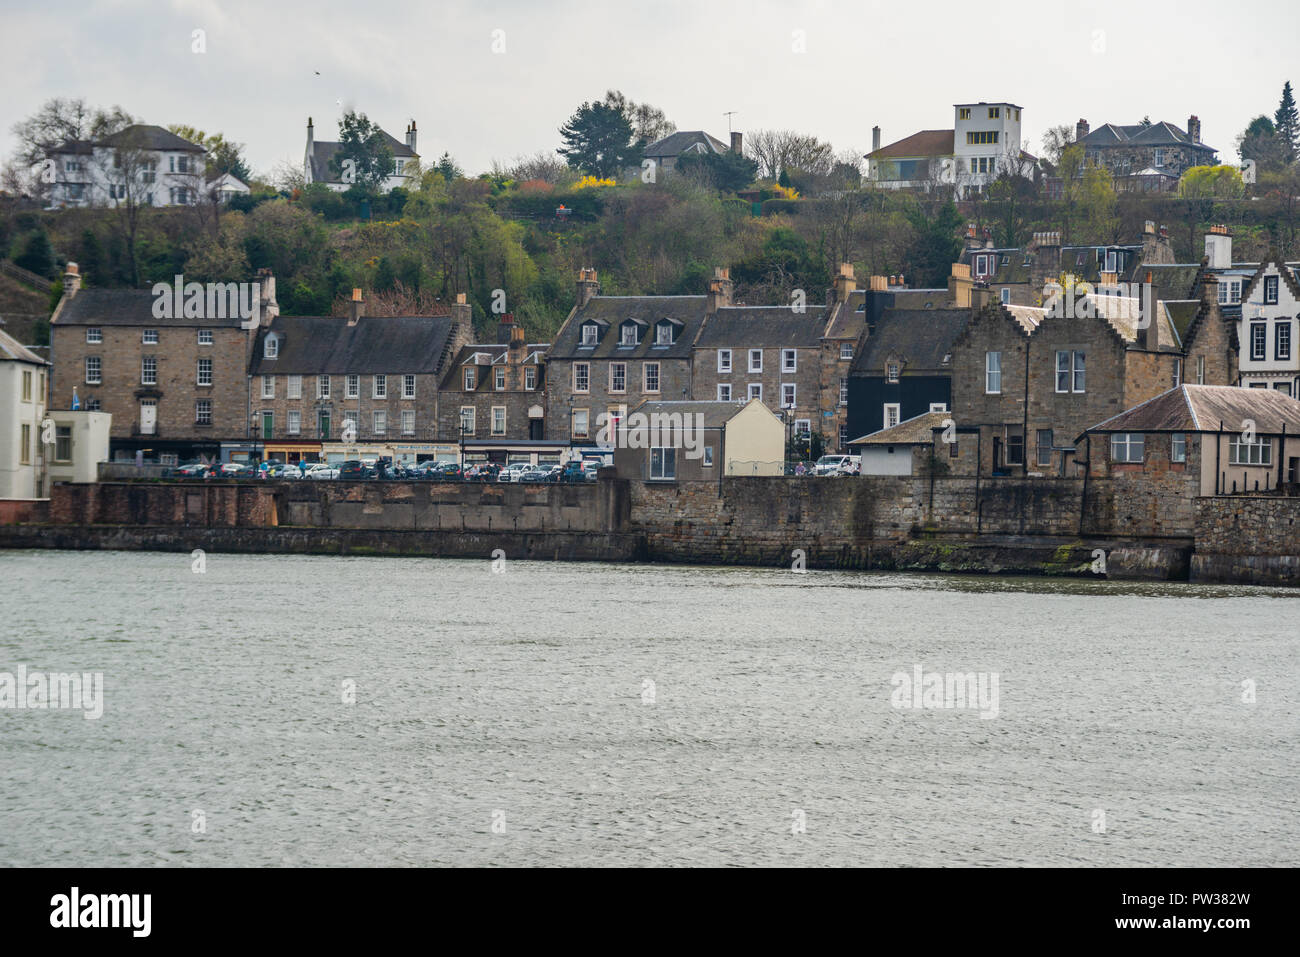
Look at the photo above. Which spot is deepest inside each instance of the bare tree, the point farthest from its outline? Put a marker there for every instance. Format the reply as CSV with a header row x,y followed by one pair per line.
x,y
1055,141
776,151
57,123
130,172
541,166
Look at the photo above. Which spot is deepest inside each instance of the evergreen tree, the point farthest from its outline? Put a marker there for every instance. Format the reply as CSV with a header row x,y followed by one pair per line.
x,y
598,140
1287,123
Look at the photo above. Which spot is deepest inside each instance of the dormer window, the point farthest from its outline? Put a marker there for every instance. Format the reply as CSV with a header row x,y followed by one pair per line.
x,y
471,378
590,334
983,267
629,335
271,347
664,334
891,371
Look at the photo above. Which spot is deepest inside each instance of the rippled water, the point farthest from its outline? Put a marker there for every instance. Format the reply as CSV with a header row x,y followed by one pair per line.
x,y
518,698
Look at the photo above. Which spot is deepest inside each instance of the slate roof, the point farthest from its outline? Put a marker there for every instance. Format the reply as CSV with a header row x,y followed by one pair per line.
x,y
716,414
142,136
321,345
756,327
1182,312
124,307
1200,408
918,430
674,144
1013,270
924,143
1157,134
322,151
848,322
921,337
613,310
11,348
491,355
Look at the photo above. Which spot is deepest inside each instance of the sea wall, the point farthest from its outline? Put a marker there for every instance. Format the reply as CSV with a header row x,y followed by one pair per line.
x,y
1247,539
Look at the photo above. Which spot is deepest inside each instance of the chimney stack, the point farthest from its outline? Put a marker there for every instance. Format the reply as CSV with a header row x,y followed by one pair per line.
x,y
1210,289
268,305
71,280
410,137
462,323
736,144
1080,130
1194,128
356,308
875,138
506,328
588,287
719,290
1218,247
844,284
1150,309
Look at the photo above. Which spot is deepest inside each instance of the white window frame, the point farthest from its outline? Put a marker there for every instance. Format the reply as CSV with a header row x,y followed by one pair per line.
x,y
789,395
379,419
1178,448
469,378
645,377
755,354
352,386
268,387
322,386
582,377
149,337
498,411
467,420
293,422
202,411
754,391
271,347
408,386
1122,446
667,464
892,410
789,360
846,350
1258,453
583,431
199,374
621,368
293,387
379,386
844,390
590,334
408,421
724,391
992,386
530,379
94,335
148,370
724,360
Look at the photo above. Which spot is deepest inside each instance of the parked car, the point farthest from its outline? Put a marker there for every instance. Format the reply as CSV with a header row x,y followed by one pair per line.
x,y
575,471
234,470
321,470
541,473
512,471
590,468
192,470
355,469
837,465
445,472
283,471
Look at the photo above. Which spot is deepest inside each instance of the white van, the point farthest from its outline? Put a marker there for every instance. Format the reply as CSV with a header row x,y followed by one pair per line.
x,y
838,465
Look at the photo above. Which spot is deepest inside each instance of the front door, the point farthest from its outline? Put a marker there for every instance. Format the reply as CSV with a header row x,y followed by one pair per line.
x,y
268,425
148,416
323,422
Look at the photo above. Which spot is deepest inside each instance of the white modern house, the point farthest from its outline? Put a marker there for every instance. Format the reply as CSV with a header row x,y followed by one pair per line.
x,y
317,168
141,164
23,381
984,137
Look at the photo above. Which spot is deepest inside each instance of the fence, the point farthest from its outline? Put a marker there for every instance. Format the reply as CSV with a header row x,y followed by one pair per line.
x,y
25,275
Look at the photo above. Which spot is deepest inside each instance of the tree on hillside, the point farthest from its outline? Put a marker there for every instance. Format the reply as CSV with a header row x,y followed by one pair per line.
x,y
598,140
726,172
1260,142
129,169
649,123
223,156
1287,123
1055,141
934,248
541,166
364,158
58,121
777,151
1211,182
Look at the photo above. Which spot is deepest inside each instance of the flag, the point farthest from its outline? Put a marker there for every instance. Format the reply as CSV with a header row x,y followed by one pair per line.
x,y
76,403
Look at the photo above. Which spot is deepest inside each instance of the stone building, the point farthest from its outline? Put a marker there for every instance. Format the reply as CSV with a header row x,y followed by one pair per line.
x,y
23,392
334,386
1141,155
495,393
1193,441
1032,380
614,352
177,388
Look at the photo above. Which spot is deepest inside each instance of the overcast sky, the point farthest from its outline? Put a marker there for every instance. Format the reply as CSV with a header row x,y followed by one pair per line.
x,y
899,65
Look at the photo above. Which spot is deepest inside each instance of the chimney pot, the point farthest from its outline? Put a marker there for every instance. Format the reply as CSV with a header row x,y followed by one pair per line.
x,y
736,142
